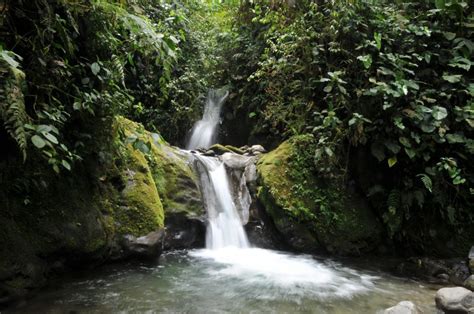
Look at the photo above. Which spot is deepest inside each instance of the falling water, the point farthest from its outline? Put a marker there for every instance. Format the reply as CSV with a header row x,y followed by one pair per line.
x,y
224,224
204,131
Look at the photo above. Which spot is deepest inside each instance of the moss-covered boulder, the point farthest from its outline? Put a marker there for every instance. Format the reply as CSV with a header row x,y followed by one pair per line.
x,y
313,214
122,191
176,183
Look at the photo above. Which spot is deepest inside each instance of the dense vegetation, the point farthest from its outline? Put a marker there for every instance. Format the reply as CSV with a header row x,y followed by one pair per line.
x,y
381,93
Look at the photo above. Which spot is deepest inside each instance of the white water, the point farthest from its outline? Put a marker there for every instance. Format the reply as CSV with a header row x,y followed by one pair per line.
x,y
204,131
224,226
274,273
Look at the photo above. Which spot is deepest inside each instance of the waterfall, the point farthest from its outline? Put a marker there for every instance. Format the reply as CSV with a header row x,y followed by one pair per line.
x,y
224,225
204,132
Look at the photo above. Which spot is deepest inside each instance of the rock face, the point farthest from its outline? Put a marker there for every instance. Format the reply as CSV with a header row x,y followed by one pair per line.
x,y
311,214
404,307
455,300
111,206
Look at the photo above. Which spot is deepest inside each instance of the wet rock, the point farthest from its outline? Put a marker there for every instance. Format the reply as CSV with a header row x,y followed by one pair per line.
x,y
146,247
257,149
471,260
440,271
219,149
455,300
469,283
404,307
184,232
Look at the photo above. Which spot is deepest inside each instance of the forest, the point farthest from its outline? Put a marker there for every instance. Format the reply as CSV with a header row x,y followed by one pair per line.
x,y
307,156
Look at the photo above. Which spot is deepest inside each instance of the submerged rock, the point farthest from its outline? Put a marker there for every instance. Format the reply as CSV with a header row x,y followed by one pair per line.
x,y
312,214
404,307
455,300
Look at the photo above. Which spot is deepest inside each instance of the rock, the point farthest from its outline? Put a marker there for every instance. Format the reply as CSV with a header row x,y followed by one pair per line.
x,y
455,300
146,247
184,232
257,149
219,149
440,271
300,219
235,149
469,283
471,260
404,307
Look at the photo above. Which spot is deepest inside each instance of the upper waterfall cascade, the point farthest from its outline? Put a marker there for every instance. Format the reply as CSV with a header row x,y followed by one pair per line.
x,y
204,131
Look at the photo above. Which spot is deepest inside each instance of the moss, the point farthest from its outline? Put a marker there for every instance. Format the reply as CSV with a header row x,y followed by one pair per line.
x,y
220,149
171,171
235,149
141,210
322,212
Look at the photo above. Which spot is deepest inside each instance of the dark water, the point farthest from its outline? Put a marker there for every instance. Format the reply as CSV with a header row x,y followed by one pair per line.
x,y
230,281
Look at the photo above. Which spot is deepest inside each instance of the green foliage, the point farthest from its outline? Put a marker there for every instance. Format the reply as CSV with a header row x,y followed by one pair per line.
x,y
390,81
85,62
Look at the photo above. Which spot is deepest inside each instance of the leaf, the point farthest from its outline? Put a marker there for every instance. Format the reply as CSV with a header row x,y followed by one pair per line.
x,y
426,181
440,4
95,67
366,60
411,153
66,165
392,161
38,141
449,35
252,114
455,78
378,40
50,137
377,151
439,113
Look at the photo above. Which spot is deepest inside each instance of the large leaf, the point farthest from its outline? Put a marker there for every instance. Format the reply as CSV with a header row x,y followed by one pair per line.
x,y
38,141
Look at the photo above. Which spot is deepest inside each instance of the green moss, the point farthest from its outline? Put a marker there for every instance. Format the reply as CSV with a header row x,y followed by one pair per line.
x,y
235,149
141,210
220,149
322,212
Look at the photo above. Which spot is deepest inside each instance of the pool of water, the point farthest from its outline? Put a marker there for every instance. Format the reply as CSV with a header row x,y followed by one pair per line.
x,y
231,281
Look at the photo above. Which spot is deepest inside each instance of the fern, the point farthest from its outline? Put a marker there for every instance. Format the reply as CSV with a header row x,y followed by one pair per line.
x,y
426,181
12,104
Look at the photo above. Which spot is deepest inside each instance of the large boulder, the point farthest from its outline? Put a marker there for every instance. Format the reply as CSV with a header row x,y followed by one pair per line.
x,y
469,283
313,214
404,307
455,300
111,206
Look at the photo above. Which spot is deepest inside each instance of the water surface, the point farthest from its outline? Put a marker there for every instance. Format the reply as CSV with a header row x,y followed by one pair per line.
x,y
231,280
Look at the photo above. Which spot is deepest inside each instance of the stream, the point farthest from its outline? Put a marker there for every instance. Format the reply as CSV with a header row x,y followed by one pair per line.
x,y
224,281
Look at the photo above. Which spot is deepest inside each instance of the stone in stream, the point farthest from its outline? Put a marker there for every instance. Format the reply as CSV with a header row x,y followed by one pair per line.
x,y
404,307
455,300
257,149
469,283
147,247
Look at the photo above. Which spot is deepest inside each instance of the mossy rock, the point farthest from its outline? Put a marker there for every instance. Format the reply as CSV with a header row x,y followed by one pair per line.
x,y
171,170
235,149
220,149
314,215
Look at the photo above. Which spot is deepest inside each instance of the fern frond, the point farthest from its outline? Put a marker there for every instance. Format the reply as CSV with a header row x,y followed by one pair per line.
x,y
12,101
394,201
427,182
